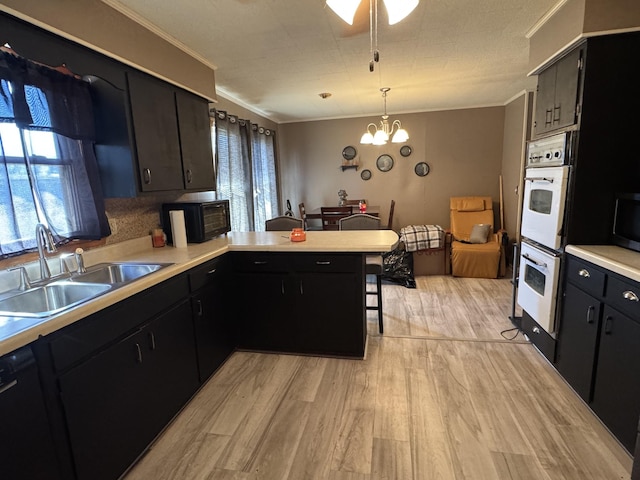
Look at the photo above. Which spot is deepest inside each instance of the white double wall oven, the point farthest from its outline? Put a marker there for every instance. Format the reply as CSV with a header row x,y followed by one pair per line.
x,y
543,212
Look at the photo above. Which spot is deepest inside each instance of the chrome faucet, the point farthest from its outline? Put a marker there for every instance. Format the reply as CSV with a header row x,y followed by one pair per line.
x,y
44,240
80,260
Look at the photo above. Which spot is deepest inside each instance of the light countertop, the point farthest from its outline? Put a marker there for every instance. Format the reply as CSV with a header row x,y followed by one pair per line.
x,y
16,332
620,260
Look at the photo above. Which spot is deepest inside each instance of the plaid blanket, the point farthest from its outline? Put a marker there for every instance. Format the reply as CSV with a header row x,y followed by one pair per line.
x,y
422,237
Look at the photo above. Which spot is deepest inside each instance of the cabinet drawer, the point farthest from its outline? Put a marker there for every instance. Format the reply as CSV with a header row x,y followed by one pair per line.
x,y
624,295
586,276
329,262
539,337
207,273
260,262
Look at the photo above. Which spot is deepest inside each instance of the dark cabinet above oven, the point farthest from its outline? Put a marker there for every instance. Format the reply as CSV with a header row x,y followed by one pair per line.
x,y
557,95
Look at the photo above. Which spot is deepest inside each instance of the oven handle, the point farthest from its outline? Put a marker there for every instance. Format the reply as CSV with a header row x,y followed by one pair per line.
x,y
539,179
536,262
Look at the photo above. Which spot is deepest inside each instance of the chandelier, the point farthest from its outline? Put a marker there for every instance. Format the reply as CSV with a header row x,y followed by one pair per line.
x,y
396,9
380,135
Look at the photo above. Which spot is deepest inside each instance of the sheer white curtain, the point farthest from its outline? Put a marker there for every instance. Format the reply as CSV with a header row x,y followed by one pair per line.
x,y
263,161
246,173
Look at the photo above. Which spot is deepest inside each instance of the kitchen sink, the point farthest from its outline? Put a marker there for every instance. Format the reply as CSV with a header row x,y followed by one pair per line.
x,y
117,273
50,299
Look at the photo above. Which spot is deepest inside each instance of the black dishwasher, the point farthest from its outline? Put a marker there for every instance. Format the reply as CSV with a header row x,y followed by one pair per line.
x,y
26,445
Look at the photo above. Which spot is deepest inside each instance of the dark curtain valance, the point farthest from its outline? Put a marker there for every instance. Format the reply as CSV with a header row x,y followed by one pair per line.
x,y
66,109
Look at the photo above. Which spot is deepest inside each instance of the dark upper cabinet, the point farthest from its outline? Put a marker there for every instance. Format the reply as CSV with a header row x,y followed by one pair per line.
x,y
155,133
195,141
557,94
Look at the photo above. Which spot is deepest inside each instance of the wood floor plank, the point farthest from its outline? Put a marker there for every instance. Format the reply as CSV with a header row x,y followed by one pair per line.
x,y
314,453
391,408
354,444
392,460
261,393
430,447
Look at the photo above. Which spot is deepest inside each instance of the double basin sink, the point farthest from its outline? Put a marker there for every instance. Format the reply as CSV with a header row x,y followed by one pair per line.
x,y
61,294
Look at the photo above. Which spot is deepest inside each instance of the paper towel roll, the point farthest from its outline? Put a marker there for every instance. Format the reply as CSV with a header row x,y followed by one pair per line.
x,y
178,230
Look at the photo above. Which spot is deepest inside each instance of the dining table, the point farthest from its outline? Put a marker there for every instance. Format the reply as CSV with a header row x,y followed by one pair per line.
x,y
371,210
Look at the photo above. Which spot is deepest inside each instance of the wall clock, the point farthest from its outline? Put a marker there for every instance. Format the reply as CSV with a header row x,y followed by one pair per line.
x,y
384,163
405,150
421,169
365,174
349,153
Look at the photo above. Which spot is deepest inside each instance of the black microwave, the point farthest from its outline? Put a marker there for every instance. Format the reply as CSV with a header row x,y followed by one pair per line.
x,y
203,220
626,221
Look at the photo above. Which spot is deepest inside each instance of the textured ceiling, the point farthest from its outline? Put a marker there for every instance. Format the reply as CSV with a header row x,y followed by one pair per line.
x,y
276,56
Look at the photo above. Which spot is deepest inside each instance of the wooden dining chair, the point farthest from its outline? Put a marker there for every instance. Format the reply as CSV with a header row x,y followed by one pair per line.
x,y
332,215
303,216
283,223
391,209
373,263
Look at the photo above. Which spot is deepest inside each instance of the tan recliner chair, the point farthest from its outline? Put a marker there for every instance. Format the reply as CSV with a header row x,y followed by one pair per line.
x,y
476,250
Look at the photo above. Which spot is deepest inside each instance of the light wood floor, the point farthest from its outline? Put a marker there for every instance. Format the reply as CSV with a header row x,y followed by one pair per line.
x,y
442,395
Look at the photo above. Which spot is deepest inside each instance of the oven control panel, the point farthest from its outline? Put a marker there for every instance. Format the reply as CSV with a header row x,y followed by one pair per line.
x,y
548,151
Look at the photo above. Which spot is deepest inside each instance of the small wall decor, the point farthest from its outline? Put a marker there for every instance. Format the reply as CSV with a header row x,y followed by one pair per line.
x,y
405,150
342,195
384,163
365,174
421,169
349,153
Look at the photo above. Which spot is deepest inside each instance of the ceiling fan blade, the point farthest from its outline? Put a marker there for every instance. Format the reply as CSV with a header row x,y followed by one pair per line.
x,y
360,21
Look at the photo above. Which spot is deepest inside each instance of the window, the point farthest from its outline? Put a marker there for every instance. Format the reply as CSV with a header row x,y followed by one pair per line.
x,y
245,171
48,172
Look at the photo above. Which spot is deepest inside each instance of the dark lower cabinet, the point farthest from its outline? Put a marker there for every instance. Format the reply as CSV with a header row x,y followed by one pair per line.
x,y
616,396
212,319
598,344
301,303
26,444
118,401
575,358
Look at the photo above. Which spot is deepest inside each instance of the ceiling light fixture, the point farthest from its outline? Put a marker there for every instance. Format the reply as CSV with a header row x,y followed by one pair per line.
x,y
396,9
381,134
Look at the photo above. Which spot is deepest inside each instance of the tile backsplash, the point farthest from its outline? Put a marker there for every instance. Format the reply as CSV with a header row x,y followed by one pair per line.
x,y
135,217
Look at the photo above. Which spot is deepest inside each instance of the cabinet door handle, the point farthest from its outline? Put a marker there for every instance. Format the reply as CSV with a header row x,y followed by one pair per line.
x,y
608,322
282,286
189,175
548,117
139,353
199,303
260,262
536,330
629,295
590,311
301,288
152,341
584,273
147,176
211,272
556,109
9,385
327,262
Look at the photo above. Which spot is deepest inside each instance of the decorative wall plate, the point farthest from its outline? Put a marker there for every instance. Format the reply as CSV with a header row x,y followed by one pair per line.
x,y
421,169
384,163
349,153
405,150
365,174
